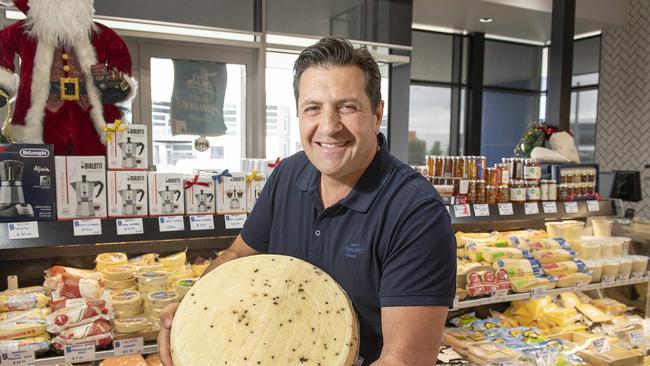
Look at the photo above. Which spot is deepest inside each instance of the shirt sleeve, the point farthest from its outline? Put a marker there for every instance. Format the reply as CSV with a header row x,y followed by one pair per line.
x,y
420,267
257,228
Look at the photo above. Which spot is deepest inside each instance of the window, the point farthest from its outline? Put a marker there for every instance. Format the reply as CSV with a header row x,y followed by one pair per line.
x,y
429,122
216,152
584,96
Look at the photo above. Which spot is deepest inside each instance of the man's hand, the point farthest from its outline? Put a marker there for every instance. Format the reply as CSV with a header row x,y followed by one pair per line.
x,y
166,317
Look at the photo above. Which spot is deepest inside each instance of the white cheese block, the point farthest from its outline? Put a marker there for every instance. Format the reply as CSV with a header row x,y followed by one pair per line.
x,y
267,310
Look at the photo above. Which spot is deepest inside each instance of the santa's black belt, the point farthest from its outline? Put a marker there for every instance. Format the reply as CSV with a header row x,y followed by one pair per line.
x,y
71,89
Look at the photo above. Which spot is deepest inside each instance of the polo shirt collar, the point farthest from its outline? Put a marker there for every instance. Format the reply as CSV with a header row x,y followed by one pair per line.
x,y
366,189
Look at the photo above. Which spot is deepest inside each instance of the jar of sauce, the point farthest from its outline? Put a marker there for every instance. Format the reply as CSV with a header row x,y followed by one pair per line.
x,y
517,190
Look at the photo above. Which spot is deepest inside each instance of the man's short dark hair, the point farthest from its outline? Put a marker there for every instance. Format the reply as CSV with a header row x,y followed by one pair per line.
x,y
337,51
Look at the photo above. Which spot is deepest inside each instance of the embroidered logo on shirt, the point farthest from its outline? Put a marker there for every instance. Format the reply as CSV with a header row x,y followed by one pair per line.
x,y
353,250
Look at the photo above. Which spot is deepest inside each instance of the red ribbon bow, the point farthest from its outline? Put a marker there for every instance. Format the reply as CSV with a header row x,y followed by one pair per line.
x,y
274,164
195,182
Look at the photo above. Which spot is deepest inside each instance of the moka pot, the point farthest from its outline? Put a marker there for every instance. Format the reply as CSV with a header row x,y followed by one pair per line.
x,y
130,200
12,198
204,200
130,153
168,197
85,191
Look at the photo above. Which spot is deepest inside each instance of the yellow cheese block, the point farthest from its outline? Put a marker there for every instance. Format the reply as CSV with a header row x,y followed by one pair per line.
x,y
198,269
23,301
593,313
569,300
152,281
118,273
174,261
130,325
265,310
106,260
126,301
119,285
19,330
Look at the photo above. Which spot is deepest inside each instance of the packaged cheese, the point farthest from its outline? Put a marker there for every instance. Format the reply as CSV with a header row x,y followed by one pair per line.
x,y
525,284
593,313
23,301
160,299
595,266
120,284
98,332
106,260
519,267
610,306
154,360
126,301
152,282
563,268
76,302
198,269
73,283
491,254
569,300
130,325
571,279
37,314
173,261
21,329
150,258
543,243
37,345
25,290
118,273
553,255
184,285
130,360
71,317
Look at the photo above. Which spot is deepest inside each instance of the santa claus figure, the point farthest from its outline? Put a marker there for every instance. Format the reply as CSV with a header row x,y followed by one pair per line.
x,y
73,75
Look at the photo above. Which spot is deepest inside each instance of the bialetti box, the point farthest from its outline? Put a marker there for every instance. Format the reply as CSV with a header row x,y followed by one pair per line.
x,y
127,150
80,187
199,194
166,194
127,194
231,194
27,182
254,185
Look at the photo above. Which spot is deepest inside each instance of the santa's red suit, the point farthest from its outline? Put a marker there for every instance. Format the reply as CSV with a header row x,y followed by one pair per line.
x,y
75,127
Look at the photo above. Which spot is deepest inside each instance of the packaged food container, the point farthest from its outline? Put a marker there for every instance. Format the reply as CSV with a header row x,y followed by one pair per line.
x,y
554,229
625,243
572,230
596,268
610,267
639,263
602,227
588,248
625,267
617,246
606,249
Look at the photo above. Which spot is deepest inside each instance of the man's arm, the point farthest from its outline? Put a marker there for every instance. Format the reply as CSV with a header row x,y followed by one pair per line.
x,y
411,335
238,249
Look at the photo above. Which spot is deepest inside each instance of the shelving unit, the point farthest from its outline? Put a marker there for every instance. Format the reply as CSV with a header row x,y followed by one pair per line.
x,y
99,355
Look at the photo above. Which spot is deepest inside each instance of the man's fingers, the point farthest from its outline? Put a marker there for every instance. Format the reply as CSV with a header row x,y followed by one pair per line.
x,y
166,316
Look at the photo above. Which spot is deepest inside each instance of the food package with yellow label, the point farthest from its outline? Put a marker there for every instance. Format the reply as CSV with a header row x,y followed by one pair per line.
x,y
571,279
526,284
519,267
543,243
563,268
553,255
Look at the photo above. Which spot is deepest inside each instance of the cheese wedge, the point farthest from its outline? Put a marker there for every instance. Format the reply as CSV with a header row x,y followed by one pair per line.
x,y
268,310
174,261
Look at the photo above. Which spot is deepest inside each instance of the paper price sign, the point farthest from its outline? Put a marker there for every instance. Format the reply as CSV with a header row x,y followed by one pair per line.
x,y
571,207
129,346
171,223
129,226
608,279
637,337
462,210
505,209
83,352
507,363
593,206
201,222
531,208
549,207
601,345
17,358
23,230
481,210
87,227
236,221
538,293
580,285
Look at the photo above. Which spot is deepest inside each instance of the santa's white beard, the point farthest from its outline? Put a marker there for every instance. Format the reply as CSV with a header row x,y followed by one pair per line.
x,y
60,22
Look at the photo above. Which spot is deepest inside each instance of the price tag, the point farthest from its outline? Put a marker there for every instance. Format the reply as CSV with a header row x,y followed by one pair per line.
x,y
463,186
129,226
580,285
636,337
202,222
637,275
481,210
601,345
549,207
507,363
608,279
171,223
18,358
621,277
84,352
505,209
87,227
531,208
23,230
593,206
236,221
571,207
129,346
499,295
538,293
462,210
456,302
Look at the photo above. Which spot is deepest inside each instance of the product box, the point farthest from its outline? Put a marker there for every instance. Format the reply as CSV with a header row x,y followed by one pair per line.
x,y
166,194
80,187
231,194
27,182
254,185
127,150
199,194
127,194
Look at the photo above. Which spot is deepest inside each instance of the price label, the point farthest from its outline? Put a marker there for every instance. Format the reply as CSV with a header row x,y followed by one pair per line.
x,y
549,207
538,293
463,187
621,277
237,221
481,210
507,363
505,209
601,345
23,230
593,206
202,222
608,279
129,226
531,208
129,346
637,275
499,295
18,358
171,223
462,210
456,302
84,352
580,285
636,337
87,227
571,207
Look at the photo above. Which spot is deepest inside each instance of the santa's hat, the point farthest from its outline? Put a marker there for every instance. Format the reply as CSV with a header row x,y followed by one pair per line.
x,y
22,5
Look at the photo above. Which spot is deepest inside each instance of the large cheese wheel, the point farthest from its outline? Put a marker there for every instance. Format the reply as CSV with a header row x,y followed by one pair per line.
x,y
265,310
106,260
130,325
152,281
118,273
119,285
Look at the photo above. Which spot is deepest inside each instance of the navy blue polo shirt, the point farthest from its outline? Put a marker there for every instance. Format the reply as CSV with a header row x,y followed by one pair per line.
x,y
389,242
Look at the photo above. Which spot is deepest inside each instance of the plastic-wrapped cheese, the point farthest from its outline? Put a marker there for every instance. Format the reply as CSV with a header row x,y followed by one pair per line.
x,y
176,260
126,300
160,299
118,273
184,285
106,260
23,301
267,310
130,325
120,284
152,281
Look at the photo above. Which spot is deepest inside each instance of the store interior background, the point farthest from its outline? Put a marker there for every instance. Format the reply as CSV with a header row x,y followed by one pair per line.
x,y
422,47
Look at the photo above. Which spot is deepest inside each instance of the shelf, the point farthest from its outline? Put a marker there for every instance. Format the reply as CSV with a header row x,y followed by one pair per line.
x,y
528,295
99,355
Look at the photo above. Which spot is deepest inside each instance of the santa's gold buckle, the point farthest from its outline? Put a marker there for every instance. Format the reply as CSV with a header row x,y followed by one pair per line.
x,y
69,88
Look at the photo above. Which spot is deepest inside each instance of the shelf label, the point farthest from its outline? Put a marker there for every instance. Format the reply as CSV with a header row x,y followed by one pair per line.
x,y
580,285
130,346
571,207
608,279
531,208
87,227
636,337
23,230
129,226
499,295
463,186
621,277
462,210
456,303
507,363
171,223
505,209
84,352
637,275
237,221
593,206
18,358
550,207
201,222
481,210
538,293
601,345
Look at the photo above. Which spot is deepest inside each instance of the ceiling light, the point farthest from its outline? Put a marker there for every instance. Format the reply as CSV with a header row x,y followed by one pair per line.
x,y
486,20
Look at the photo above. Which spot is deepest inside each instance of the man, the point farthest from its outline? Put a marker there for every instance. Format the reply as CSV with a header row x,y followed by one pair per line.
x,y
349,207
